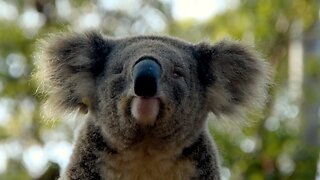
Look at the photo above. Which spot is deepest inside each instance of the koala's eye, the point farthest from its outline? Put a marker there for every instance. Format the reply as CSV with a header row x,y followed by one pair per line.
x,y
177,73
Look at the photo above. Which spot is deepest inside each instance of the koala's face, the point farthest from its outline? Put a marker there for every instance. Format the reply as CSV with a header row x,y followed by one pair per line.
x,y
148,86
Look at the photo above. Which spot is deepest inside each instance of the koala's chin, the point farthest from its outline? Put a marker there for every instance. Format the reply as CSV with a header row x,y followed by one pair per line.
x,y
145,110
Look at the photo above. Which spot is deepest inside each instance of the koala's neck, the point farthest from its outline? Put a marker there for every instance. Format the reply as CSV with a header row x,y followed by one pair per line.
x,y
144,162
147,159
145,143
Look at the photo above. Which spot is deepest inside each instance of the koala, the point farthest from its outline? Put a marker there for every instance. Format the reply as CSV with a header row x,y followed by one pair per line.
x,y
146,99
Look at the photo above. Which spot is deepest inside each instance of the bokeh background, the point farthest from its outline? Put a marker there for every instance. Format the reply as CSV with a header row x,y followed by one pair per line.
x,y
282,141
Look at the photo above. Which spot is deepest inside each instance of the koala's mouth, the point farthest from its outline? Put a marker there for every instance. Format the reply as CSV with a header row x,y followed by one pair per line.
x,y
145,110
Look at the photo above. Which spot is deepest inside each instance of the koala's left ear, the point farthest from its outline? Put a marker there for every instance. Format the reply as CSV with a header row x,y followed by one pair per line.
x,y
234,76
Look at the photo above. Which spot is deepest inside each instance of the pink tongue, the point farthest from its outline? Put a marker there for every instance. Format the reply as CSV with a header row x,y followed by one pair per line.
x,y
145,110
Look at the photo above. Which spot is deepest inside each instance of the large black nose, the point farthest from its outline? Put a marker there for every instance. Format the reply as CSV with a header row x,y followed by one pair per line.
x,y
146,75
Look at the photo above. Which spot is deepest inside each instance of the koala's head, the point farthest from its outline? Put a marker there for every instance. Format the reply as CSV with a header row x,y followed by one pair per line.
x,y
150,86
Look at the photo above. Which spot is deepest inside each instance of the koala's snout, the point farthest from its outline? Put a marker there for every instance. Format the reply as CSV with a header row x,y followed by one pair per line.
x,y
146,76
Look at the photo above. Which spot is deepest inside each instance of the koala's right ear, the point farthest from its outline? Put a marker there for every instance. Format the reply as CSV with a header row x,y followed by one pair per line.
x,y
66,65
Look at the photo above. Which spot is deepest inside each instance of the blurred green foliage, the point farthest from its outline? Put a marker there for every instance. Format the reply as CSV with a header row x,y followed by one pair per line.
x,y
275,146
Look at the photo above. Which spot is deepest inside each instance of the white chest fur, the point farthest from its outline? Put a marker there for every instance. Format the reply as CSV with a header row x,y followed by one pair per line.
x,y
144,163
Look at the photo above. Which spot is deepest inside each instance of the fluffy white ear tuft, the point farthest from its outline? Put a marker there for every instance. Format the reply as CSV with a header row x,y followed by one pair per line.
x,y
236,77
66,65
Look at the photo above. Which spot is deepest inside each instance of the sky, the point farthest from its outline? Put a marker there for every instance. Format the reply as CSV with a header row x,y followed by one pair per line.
x,y
182,9
200,9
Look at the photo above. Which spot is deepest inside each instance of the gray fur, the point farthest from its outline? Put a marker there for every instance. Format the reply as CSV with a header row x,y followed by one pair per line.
x,y
93,74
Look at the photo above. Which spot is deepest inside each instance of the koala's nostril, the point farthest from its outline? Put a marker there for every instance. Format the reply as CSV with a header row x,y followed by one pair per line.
x,y
146,75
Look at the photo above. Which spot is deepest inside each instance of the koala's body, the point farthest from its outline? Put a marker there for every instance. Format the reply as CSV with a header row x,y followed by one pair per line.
x,y
146,100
